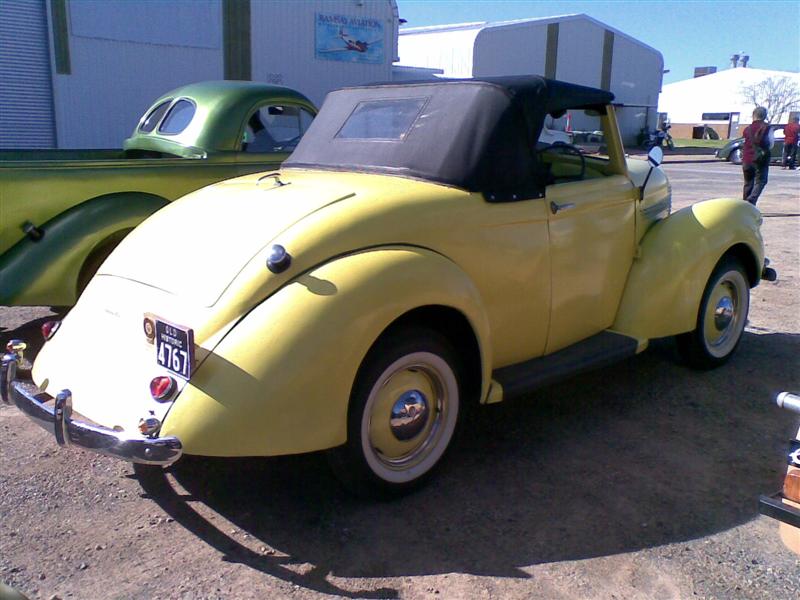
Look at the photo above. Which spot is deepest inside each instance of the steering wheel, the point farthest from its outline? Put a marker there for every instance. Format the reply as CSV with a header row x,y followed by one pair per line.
x,y
288,145
568,149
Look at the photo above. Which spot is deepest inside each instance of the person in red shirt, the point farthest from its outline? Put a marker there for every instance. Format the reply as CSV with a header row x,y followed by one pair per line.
x,y
790,133
755,155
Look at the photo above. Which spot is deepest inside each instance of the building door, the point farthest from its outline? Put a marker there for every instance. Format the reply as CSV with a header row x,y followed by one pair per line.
x,y
733,126
26,92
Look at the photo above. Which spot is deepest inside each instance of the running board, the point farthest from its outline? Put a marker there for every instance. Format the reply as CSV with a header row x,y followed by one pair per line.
x,y
600,350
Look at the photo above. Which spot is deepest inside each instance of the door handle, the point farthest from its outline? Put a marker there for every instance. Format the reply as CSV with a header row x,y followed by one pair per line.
x,y
555,208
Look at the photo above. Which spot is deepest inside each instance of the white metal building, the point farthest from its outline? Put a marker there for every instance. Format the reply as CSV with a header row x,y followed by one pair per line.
x,y
79,73
715,100
574,48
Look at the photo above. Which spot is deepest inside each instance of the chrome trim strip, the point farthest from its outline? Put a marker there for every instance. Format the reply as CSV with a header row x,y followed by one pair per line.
x,y
651,212
58,419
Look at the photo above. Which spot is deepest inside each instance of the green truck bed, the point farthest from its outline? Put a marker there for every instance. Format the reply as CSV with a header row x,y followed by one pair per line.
x,y
63,211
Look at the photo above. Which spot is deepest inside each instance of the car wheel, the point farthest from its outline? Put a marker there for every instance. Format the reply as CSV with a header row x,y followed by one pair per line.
x,y
736,156
403,414
721,318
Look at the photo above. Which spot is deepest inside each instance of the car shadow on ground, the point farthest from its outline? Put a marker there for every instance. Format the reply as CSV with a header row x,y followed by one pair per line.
x,y
638,455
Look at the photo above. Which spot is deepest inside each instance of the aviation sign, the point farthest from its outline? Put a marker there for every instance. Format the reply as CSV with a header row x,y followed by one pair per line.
x,y
348,38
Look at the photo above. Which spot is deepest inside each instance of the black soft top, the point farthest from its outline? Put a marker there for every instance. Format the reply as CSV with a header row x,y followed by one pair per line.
x,y
476,134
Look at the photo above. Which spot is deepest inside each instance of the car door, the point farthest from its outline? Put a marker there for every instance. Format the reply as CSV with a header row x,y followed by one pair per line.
x,y
591,226
506,254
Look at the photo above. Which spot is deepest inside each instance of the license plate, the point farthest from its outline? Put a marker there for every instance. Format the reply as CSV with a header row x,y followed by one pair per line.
x,y
175,348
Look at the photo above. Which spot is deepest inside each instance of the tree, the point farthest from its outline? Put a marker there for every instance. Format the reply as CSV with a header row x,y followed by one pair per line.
x,y
778,95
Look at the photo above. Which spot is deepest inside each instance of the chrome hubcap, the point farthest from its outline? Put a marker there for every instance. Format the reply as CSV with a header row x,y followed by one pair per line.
x,y
723,313
406,415
409,415
726,313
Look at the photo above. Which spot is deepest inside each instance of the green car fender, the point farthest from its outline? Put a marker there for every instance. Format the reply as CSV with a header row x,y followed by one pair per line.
x,y
280,380
677,256
52,269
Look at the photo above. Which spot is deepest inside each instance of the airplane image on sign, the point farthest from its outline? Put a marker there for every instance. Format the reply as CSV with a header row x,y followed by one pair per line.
x,y
350,44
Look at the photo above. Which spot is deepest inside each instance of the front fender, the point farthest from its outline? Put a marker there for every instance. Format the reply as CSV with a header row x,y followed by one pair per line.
x,y
279,382
666,283
45,272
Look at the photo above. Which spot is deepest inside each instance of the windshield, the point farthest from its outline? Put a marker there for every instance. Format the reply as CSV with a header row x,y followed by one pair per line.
x,y
580,128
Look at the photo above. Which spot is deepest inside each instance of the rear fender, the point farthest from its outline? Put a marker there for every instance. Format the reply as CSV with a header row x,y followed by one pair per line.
x,y
678,254
279,382
46,272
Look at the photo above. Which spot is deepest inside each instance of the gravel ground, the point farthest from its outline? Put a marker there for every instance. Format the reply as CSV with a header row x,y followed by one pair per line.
x,y
638,481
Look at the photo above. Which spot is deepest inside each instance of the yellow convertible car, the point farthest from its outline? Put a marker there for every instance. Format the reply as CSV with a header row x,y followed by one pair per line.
x,y
417,253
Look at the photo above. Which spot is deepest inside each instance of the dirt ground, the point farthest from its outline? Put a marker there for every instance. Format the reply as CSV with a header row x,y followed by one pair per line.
x,y
638,481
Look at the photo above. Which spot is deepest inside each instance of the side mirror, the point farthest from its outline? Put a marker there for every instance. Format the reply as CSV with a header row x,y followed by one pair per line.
x,y
656,156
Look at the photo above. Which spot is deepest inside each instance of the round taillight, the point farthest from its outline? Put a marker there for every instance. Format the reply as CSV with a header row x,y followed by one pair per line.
x,y
162,388
49,329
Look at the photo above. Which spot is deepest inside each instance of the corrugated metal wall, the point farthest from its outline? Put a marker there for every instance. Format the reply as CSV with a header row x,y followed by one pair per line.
x,y
450,50
123,55
114,57
26,95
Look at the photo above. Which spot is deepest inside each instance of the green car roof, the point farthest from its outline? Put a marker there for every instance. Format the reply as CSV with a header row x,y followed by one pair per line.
x,y
221,111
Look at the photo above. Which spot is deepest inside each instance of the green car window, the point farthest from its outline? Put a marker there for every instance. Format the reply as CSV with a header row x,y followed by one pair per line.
x,y
150,121
178,117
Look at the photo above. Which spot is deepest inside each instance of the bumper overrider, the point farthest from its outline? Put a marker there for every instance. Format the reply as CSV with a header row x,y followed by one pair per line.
x,y
55,415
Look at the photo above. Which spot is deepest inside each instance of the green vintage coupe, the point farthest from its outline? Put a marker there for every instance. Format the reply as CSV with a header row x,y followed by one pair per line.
x,y
63,211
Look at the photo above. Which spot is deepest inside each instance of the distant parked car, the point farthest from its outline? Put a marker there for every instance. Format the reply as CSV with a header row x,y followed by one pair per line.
x,y
732,151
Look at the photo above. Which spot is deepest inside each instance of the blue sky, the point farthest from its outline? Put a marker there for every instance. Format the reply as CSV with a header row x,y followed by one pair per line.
x,y
688,34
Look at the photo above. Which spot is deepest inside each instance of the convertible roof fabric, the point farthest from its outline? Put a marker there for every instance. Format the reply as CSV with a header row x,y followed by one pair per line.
x,y
476,134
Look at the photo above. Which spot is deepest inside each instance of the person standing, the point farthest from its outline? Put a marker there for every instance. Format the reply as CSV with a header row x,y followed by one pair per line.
x,y
755,155
790,133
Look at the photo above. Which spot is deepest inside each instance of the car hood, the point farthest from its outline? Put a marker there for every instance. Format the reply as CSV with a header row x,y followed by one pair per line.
x,y
196,246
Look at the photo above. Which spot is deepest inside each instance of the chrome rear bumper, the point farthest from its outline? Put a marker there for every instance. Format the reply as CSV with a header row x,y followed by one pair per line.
x,y
57,418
